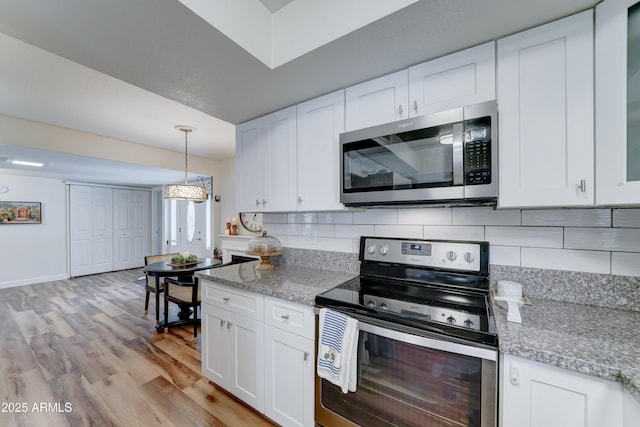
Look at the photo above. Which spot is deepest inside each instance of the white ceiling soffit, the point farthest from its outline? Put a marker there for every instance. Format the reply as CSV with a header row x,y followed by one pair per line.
x,y
70,167
293,30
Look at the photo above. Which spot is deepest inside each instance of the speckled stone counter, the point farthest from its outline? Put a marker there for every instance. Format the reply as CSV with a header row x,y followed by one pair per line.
x,y
289,282
597,341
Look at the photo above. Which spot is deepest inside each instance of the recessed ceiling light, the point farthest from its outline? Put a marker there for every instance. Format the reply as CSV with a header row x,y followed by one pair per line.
x,y
23,163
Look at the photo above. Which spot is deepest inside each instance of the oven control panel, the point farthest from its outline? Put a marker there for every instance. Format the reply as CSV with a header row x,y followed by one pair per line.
x,y
424,312
453,255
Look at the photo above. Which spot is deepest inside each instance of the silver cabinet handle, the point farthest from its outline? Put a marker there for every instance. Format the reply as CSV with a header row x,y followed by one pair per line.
x,y
306,356
415,105
257,203
400,109
229,325
264,202
222,322
285,317
583,186
226,299
299,200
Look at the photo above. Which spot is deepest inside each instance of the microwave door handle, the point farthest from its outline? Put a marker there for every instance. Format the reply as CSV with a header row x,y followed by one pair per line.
x,y
458,158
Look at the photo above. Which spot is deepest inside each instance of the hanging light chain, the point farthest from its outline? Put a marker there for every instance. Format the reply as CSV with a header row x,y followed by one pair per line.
x,y
186,157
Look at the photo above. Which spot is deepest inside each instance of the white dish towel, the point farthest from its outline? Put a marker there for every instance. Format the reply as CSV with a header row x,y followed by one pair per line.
x,y
338,349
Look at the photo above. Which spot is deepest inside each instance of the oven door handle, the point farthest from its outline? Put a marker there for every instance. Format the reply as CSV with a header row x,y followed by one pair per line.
x,y
422,341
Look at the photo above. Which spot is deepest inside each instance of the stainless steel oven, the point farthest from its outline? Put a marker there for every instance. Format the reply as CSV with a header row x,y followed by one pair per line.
x,y
448,157
427,347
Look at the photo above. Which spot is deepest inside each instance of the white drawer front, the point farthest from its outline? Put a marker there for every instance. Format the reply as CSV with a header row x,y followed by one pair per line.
x,y
233,299
290,316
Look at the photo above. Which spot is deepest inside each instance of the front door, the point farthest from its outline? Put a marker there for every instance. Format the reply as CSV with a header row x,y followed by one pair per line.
x,y
185,229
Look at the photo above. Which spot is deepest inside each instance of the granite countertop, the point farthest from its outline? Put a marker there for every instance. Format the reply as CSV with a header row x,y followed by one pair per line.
x,y
602,342
289,282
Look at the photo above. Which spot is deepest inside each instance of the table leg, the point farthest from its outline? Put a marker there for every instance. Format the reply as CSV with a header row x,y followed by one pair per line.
x,y
157,301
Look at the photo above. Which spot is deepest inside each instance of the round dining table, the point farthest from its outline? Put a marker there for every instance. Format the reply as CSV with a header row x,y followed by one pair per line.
x,y
167,269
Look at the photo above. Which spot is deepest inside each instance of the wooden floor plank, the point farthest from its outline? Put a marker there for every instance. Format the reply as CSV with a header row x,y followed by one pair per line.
x,y
177,407
90,361
30,324
52,414
86,409
15,355
52,359
223,405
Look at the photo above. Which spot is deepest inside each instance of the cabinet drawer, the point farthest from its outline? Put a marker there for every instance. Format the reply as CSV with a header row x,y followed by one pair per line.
x,y
290,316
233,299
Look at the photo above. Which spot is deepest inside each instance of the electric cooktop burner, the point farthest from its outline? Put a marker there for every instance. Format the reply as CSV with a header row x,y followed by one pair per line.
x,y
437,287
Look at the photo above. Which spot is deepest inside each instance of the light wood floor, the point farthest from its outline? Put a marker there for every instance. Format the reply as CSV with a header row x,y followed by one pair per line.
x,y
79,353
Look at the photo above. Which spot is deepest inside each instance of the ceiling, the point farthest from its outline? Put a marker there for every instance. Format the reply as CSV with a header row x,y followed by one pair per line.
x,y
132,69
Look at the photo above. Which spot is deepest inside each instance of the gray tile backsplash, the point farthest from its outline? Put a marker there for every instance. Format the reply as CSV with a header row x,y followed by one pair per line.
x,y
594,241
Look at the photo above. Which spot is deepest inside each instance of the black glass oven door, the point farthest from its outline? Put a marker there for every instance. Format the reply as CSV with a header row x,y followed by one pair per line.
x,y
405,380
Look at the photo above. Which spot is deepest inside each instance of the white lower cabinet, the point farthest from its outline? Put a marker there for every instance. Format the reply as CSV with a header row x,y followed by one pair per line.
x,y
289,376
260,349
231,345
539,395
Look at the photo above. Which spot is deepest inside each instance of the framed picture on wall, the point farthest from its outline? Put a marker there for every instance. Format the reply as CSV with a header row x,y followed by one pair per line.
x,y
20,212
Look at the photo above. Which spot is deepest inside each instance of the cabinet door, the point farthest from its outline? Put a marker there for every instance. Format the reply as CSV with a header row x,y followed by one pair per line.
x,y
289,385
377,101
214,344
279,138
320,122
232,354
250,166
618,102
246,364
462,78
545,99
537,395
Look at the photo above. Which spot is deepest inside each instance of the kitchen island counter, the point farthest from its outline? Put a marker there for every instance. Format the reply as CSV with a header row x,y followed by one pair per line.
x,y
597,341
288,282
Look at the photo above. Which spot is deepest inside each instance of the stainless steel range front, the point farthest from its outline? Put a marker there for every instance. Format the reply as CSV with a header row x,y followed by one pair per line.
x,y
427,344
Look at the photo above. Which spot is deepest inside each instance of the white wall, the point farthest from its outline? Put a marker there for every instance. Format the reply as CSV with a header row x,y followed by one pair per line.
x,y
587,240
34,253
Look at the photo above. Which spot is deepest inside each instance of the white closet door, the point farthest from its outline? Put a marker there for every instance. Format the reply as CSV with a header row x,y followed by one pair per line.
x,y
90,230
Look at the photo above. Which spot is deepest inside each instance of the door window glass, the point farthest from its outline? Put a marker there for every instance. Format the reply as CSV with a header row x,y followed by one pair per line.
x,y
191,221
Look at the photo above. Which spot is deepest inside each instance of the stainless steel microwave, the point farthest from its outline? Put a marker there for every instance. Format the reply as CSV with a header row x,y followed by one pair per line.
x,y
448,158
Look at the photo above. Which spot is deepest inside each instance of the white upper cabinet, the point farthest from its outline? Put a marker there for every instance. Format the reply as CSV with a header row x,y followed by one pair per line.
x,y
618,102
545,101
320,122
280,139
462,78
266,163
250,166
377,101
451,81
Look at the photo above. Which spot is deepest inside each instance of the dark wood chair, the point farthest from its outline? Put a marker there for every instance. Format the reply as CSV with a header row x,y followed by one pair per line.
x,y
184,291
150,285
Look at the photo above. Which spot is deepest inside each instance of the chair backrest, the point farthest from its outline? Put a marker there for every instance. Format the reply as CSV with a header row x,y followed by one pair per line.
x,y
152,259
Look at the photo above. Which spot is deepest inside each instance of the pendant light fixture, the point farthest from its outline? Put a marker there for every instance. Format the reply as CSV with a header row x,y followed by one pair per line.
x,y
194,193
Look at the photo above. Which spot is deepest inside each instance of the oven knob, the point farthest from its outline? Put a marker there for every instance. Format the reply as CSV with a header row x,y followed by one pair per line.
x,y
384,250
451,320
451,256
468,323
371,304
371,249
384,306
469,257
